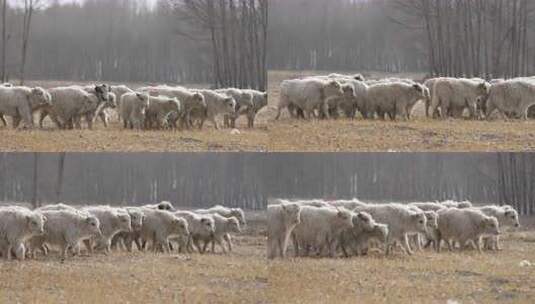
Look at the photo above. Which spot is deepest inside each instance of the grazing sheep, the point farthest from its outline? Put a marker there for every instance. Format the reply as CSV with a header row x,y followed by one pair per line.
x,y
281,220
394,98
401,221
17,225
159,109
65,229
453,95
21,102
216,104
320,228
511,98
465,225
112,221
159,226
244,104
133,108
308,95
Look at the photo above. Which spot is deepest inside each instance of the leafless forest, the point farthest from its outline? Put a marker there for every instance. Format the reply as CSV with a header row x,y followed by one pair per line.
x,y
247,180
490,38
174,41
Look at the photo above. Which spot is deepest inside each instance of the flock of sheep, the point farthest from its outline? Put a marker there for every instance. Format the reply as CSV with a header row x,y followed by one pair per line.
x,y
152,107
350,227
159,227
335,94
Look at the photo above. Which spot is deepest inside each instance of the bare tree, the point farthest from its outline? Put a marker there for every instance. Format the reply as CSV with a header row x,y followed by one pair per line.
x,y
4,39
29,7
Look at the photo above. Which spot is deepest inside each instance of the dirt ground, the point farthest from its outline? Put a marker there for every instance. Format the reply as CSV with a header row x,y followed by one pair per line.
x,y
239,277
425,277
419,134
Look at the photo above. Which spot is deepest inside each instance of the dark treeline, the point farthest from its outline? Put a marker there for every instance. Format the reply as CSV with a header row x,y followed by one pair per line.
x,y
491,38
131,41
247,180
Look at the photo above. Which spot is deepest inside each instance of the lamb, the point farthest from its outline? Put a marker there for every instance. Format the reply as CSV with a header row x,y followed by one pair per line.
x,y
223,227
511,98
281,220
506,216
465,225
128,238
394,98
216,104
65,229
190,102
244,104
112,221
21,102
160,107
159,226
362,222
226,212
200,227
401,221
133,108
17,225
260,100
308,95
454,95
320,228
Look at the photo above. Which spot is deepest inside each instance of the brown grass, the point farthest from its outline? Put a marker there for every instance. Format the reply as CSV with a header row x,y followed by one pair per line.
x,y
240,277
426,277
419,134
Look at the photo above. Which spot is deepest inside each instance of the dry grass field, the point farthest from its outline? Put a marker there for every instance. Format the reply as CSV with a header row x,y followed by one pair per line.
x,y
240,277
419,134
425,277
115,138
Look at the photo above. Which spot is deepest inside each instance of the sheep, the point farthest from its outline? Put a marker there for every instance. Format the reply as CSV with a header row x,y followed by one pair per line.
x,y
200,227
158,110
160,225
21,102
119,91
163,205
431,234
190,101
216,104
260,100
428,206
394,98
244,104
346,101
512,97
65,229
453,95
56,207
361,242
506,216
401,221
320,228
362,222
128,238
348,204
69,104
112,221
429,83
17,225
133,108
358,77
308,95
454,204
281,220
226,212
105,98
223,227
465,225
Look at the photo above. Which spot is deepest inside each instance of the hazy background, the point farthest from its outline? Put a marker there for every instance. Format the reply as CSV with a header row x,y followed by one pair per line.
x,y
488,38
160,41
247,180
